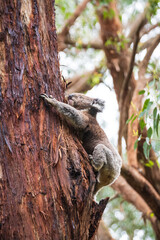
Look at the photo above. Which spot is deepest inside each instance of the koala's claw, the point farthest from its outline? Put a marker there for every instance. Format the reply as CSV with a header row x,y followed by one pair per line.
x,y
43,95
90,157
49,100
46,97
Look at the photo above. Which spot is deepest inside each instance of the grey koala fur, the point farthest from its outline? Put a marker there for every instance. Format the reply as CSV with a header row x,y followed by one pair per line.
x,y
81,113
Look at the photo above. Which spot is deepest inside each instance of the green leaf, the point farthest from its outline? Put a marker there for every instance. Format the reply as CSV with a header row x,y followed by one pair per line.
x,y
146,149
92,81
146,103
105,14
154,118
145,145
146,106
142,124
108,14
109,42
152,83
142,114
133,119
147,141
129,119
149,164
151,214
111,14
157,123
158,164
140,137
141,92
149,132
158,97
155,112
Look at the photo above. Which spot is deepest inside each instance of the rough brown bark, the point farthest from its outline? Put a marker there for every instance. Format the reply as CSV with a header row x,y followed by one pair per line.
x,y
46,181
121,65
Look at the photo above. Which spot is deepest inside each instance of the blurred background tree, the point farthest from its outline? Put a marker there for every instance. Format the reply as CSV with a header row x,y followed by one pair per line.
x,y
112,49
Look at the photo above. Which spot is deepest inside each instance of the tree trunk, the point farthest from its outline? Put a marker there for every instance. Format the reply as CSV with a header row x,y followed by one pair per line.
x,y
46,181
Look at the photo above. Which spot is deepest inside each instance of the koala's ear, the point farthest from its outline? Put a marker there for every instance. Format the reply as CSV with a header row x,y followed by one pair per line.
x,y
98,104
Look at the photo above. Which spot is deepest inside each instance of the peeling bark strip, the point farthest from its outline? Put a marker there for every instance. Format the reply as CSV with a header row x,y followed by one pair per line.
x,y
97,211
46,181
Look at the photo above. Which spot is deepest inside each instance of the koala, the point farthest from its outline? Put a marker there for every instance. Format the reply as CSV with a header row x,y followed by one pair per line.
x,y
80,113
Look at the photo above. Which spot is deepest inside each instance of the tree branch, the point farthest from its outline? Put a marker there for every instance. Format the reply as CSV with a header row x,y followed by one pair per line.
x,y
143,187
131,65
144,63
146,31
125,85
96,44
79,82
72,19
140,21
130,195
146,44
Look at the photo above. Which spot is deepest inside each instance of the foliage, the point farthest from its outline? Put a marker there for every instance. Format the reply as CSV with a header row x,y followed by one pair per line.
x,y
125,3
84,30
64,10
105,2
108,13
119,43
154,6
95,79
149,116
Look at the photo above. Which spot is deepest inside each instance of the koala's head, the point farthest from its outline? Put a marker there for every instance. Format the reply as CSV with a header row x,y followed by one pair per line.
x,y
81,101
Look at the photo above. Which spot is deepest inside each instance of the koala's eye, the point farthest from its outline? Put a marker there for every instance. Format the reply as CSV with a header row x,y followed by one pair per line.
x,y
70,97
95,101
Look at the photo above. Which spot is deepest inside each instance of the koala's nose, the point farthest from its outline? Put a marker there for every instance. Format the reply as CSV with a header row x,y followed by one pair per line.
x,y
70,96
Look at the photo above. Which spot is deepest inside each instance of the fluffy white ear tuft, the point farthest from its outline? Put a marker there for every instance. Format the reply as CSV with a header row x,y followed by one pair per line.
x,y
98,104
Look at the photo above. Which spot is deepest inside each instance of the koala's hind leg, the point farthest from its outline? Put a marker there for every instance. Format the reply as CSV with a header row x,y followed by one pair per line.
x,y
103,162
101,155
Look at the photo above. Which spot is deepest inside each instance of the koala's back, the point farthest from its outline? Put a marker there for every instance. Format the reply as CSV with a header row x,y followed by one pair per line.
x,y
93,135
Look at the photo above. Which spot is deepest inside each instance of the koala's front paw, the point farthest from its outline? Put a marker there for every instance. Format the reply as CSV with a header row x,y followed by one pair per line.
x,y
48,99
91,160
